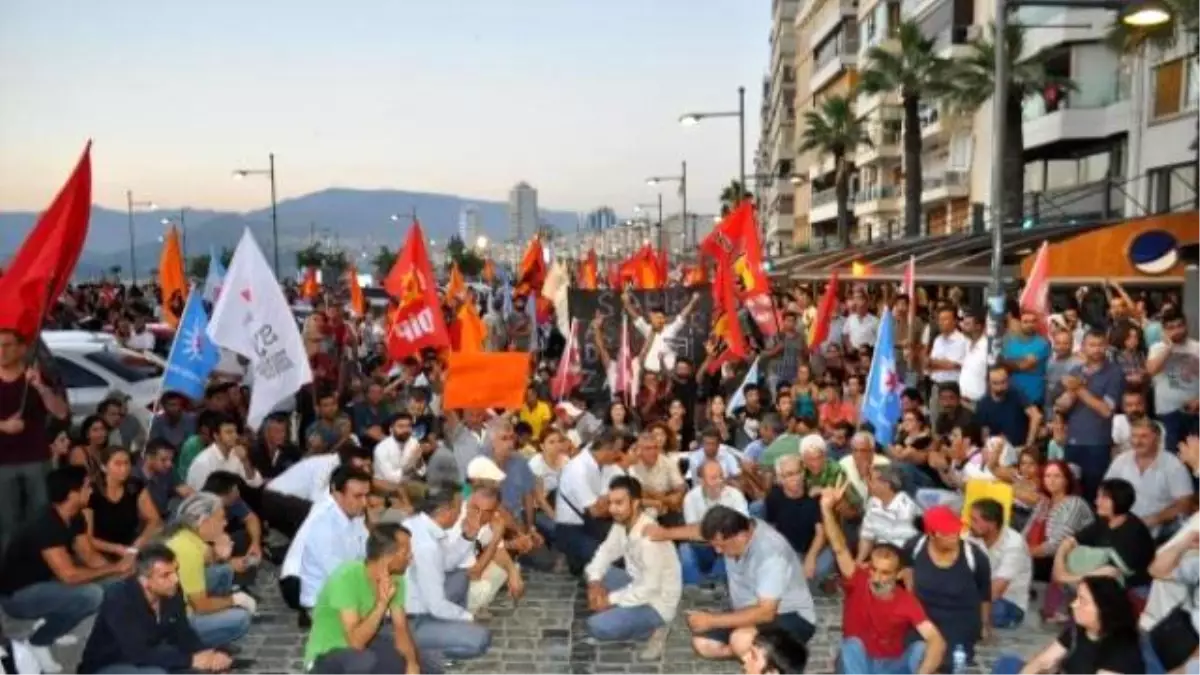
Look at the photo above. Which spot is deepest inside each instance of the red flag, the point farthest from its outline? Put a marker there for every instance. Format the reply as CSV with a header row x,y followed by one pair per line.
x,y
727,301
418,322
532,273
642,269
663,267
570,367
820,330
589,272
309,287
1036,295
735,245
40,269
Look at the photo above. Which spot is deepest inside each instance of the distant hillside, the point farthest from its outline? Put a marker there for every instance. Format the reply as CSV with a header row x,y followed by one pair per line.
x,y
356,218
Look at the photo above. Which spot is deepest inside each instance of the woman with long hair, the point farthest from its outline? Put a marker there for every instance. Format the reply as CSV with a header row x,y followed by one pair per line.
x,y
554,453
121,515
1059,513
718,419
805,392
1103,637
619,418
89,448
1025,479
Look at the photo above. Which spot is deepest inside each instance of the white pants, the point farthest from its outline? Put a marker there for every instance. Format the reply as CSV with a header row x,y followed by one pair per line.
x,y
484,590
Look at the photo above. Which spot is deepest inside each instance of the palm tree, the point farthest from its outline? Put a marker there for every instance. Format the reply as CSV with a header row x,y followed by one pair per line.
x,y
835,130
731,196
917,72
383,261
1185,22
970,82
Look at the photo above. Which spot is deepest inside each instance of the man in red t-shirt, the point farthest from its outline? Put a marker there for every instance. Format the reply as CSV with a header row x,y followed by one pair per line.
x,y
878,613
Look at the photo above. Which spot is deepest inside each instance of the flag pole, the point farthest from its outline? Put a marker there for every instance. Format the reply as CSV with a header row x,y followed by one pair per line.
x,y
31,352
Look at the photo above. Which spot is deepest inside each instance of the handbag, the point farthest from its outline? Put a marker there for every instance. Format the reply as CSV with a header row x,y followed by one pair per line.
x,y
1174,638
596,528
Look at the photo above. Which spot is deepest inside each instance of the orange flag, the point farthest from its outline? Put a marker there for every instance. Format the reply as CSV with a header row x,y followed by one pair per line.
x,y
820,329
471,329
532,273
38,272
485,380
643,269
589,272
357,302
171,277
489,272
309,288
456,286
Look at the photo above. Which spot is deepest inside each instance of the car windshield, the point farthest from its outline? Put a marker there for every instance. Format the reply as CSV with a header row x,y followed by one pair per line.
x,y
128,366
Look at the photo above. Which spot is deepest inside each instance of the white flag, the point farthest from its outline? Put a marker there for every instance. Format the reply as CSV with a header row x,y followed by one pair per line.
x,y
252,318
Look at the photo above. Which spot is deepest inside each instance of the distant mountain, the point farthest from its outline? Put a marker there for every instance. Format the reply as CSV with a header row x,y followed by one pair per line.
x,y
356,219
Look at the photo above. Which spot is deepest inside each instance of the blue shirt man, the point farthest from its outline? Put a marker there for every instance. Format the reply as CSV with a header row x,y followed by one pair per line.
x,y
1026,354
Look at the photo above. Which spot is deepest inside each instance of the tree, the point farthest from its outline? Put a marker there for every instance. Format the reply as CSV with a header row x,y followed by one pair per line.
x,y
971,80
917,72
383,262
732,195
833,129
335,263
1185,23
197,265
312,255
469,262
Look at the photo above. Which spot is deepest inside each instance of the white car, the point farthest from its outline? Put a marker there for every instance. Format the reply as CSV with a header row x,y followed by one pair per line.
x,y
93,366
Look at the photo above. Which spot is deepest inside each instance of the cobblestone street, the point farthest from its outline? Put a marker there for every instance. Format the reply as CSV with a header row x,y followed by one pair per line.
x,y
544,633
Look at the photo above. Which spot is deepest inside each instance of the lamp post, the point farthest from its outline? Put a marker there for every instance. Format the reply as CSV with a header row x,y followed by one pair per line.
x,y
693,118
662,235
269,172
1139,14
182,230
682,180
131,204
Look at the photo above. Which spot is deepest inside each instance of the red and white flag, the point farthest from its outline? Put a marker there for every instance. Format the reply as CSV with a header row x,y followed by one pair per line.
x,y
1036,295
624,378
570,367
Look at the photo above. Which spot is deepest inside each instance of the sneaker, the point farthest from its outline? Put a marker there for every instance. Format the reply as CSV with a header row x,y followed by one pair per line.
x,y
67,640
654,646
45,659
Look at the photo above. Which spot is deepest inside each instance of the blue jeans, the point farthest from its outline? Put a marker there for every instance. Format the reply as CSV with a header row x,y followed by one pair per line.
x,y
545,526
1007,664
826,565
854,659
757,509
1005,614
913,477
576,544
61,606
620,624
1093,461
700,562
453,639
222,628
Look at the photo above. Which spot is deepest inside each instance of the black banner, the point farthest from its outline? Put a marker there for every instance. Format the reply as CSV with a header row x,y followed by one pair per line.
x,y
586,305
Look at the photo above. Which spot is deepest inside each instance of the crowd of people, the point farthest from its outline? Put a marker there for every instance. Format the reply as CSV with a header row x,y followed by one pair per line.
x,y
1057,485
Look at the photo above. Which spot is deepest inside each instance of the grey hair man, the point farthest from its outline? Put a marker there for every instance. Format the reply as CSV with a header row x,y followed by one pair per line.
x,y
890,512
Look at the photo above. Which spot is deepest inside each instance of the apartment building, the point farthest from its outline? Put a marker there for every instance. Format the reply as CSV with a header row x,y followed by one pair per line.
x,y
522,213
773,169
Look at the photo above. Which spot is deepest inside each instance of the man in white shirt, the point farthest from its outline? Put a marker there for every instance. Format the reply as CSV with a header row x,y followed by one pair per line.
x,y
699,560
141,339
948,350
436,584
581,492
861,327
889,512
640,601
972,379
399,453
288,497
227,453
1161,482
658,354
712,450
1133,407
1012,567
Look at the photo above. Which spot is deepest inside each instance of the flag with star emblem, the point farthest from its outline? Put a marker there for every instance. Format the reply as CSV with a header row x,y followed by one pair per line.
x,y
881,401
193,356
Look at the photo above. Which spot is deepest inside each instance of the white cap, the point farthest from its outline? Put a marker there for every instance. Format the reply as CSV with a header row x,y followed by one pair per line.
x,y
483,468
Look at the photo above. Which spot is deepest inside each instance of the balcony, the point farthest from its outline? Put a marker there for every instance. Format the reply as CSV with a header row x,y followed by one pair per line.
x,y
1083,114
931,120
947,185
821,166
865,104
780,226
885,145
826,73
824,205
911,10
877,198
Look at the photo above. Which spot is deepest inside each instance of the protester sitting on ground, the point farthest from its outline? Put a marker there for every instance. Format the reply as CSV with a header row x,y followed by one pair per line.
x,y
485,557
663,487
766,586
227,453
437,588
288,498
334,532
890,516
173,424
791,509
1172,640
272,452
1012,568
858,465
244,527
50,572
357,604
142,625
1058,516
701,562
581,505
206,429
1161,483
517,495
1117,542
639,602
397,454
712,450
89,451
121,517
774,651
952,578
157,473
878,614
1102,639
197,536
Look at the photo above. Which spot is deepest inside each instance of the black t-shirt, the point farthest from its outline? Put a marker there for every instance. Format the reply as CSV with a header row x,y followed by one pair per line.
x,y
23,561
117,522
1087,656
796,519
1131,540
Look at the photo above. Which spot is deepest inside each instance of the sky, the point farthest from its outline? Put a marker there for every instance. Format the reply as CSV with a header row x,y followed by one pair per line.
x,y
580,98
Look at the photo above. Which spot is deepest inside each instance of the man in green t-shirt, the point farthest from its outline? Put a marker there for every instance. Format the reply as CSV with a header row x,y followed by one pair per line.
x,y
351,606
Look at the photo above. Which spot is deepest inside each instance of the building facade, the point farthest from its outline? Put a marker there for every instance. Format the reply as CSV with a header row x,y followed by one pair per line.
x,y
773,165
522,214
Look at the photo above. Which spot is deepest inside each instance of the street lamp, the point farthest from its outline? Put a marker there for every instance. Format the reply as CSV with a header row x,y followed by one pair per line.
x,y
481,242
691,119
1141,14
682,180
132,242
182,230
270,173
662,230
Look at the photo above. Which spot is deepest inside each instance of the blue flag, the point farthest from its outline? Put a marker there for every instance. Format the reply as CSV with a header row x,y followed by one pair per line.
x,y
216,276
881,401
193,357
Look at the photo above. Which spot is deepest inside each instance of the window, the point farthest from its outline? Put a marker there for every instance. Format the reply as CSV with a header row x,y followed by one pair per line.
x,y
126,365
1173,188
75,376
1174,87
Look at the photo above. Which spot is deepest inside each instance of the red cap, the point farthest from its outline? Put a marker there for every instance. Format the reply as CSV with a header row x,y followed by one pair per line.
x,y
942,520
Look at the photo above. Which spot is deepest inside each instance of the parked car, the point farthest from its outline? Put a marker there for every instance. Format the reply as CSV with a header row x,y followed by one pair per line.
x,y
92,367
